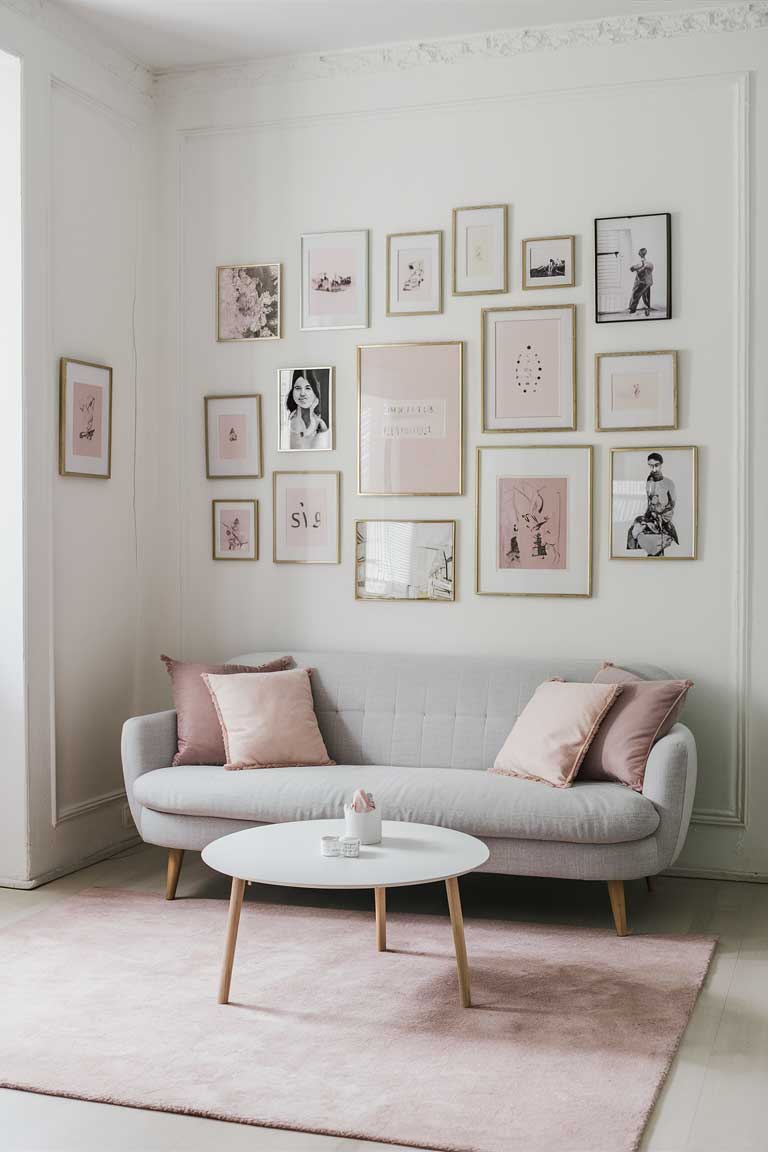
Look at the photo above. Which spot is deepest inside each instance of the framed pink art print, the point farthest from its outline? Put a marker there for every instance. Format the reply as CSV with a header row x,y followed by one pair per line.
x,y
85,419
528,367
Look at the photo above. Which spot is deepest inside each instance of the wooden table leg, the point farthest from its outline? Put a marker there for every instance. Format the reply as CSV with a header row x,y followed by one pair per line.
x,y
380,896
457,924
233,922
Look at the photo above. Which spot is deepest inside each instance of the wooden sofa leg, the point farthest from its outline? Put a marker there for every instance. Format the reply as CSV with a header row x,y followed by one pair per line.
x,y
649,883
175,857
618,906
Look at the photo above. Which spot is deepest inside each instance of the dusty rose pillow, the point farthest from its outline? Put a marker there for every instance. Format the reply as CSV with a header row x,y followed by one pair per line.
x,y
197,725
612,674
268,721
553,732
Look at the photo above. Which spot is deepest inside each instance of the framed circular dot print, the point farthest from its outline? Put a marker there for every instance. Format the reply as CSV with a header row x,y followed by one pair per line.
x,y
528,360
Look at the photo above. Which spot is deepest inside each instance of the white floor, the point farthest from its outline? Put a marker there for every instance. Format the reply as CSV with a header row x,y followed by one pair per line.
x,y
716,1097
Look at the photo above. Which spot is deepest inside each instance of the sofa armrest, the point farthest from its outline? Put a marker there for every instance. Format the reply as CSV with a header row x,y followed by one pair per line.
x,y
670,784
148,742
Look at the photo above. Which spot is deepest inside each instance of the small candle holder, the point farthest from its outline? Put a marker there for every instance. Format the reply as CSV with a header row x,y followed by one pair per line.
x,y
330,845
350,846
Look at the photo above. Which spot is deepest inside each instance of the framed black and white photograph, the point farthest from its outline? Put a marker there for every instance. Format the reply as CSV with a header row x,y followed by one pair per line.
x,y
633,268
635,391
306,409
233,437
334,280
405,560
548,262
248,302
414,273
480,253
654,499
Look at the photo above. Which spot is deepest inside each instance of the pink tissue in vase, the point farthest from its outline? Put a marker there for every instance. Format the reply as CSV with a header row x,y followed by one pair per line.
x,y
362,801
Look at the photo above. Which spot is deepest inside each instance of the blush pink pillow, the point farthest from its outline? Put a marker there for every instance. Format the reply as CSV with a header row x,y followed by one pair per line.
x,y
197,725
268,721
612,674
553,732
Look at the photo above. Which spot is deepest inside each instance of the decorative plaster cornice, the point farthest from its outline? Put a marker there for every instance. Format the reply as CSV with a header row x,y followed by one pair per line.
x,y
743,16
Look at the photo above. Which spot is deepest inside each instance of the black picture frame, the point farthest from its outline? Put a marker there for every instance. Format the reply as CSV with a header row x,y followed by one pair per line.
x,y
642,310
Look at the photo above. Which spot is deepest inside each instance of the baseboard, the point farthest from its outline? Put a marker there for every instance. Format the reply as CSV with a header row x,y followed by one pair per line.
x,y
67,869
716,874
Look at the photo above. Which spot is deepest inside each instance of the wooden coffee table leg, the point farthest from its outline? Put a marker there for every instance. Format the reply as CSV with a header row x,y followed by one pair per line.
x,y
380,896
457,925
233,922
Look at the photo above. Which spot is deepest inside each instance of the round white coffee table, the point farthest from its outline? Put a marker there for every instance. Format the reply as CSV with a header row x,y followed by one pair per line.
x,y
289,855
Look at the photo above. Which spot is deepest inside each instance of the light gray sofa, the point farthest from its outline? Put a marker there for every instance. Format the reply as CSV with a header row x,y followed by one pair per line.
x,y
418,732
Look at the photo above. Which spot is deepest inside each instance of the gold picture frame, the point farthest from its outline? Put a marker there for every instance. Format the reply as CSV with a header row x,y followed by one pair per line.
x,y
569,283
64,364
408,599
254,504
234,475
504,209
599,356
437,232
236,268
306,472
661,448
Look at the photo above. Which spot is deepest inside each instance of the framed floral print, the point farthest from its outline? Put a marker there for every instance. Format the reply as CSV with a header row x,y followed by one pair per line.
x,y
528,368
405,560
409,406
635,391
305,399
548,262
235,529
633,268
85,419
480,256
248,302
414,273
334,280
534,521
654,503
233,437
306,521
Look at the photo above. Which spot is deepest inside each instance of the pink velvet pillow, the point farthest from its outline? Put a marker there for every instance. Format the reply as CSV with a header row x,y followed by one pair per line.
x,y
197,725
268,721
553,732
612,674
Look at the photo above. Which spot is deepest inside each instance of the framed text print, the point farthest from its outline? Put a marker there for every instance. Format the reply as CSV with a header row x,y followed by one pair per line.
x,y
534,521
633,268
85,419
334,280
235,529
306,409
635,391
414,273
405,560
305,518
654,503
548,262
409,406
528,358
480,259
233,437
248,302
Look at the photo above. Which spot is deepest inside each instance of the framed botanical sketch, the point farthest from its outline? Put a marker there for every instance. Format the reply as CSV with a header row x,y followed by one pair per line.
x,y
548,262
248,302
635,391
528,368
306,522
409,406
233,437
633,268
405,560
306,409
414,273
534,521
480,257
654,514
85,419
334,280
235,529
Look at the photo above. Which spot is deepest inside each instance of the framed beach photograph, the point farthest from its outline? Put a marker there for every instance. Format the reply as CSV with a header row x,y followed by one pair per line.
x,y
334,280
534,521
414,273
528,368
480,254
654,503
248,302
549,262
235,529
635,391
85,419
306,410
409,405
306,526
233,437
405,560
633,268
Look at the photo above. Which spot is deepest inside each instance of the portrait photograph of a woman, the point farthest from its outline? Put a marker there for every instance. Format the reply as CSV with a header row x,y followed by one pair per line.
x,y
306,409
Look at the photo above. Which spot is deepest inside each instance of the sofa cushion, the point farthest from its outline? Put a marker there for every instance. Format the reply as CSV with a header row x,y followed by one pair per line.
x,y
481,804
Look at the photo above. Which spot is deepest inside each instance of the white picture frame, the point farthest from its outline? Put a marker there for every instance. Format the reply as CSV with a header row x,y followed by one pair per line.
x,y
334,280
654,503
636,391
414,273
233,441
405,560
306,517
480,250
306,409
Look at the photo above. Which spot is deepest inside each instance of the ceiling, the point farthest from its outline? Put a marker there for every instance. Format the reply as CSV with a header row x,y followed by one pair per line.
x,y
165,35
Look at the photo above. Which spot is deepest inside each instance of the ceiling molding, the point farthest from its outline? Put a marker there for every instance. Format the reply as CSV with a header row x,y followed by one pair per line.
x,y
743,16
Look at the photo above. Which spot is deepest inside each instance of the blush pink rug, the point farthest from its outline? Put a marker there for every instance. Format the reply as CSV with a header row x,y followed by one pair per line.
x,y
112,997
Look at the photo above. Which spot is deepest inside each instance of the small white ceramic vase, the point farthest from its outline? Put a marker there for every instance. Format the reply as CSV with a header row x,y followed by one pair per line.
x,y
365,825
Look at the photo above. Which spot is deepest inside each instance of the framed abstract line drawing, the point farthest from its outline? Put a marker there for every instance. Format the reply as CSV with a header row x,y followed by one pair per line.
x,y
233,437
235,529
414,273
405,560
306,407
654,503
480,256
334,280
528,368
247,302
534,521
548,262
409,419
85,419
635,391
633,268
306,523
